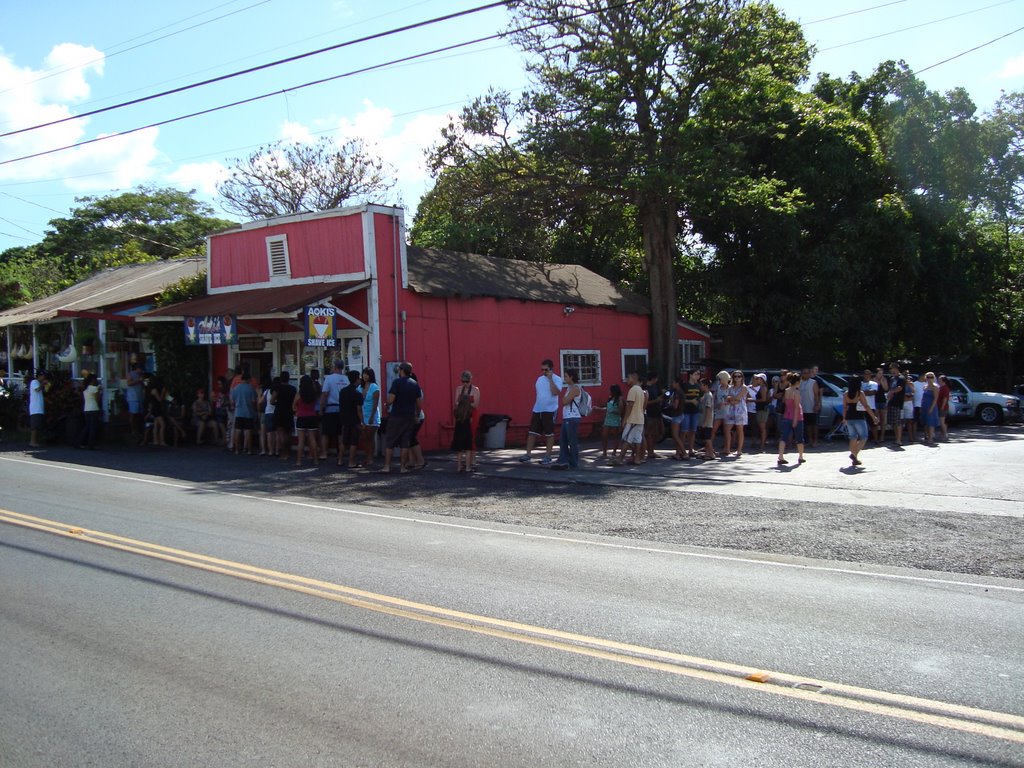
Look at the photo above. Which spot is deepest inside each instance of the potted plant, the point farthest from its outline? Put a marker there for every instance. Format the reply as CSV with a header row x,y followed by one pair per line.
x,y
88,342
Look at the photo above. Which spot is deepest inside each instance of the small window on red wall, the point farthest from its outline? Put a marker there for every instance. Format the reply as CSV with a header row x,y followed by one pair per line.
x,y
586,361
277,256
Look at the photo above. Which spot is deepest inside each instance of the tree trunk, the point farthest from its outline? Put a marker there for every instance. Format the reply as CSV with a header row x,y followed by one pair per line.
x,y
659,223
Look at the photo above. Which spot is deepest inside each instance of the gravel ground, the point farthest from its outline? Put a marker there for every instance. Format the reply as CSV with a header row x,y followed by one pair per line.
x,y
937,541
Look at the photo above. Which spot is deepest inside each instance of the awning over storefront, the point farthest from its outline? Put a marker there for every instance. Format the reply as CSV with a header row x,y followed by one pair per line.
x,y
110,288
254,304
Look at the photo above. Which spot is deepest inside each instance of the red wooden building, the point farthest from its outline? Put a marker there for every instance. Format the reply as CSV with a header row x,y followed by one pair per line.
x,y
440,310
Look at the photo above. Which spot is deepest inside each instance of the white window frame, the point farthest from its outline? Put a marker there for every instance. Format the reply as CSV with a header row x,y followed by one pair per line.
x,y
272,240
577,352
684,345
623,353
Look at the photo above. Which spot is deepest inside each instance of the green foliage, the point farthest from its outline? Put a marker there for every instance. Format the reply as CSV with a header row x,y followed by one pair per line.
x,y
668,145
182,368
142,225
617,122
25,275
104,232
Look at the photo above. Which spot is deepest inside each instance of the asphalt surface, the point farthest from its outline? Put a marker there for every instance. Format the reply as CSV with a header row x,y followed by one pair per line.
x,y
958,507
113,658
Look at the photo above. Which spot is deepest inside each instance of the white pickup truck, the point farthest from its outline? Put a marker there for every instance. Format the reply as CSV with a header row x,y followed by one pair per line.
x,y
987,407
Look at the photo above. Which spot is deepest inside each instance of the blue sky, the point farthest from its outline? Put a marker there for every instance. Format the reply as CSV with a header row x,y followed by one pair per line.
x,y
65,57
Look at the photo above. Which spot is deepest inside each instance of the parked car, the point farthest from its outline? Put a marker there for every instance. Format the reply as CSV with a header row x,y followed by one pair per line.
x,y
832,388
987,407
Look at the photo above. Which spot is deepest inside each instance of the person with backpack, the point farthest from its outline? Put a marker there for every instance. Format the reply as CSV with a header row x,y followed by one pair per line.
x,y
467,403
575,400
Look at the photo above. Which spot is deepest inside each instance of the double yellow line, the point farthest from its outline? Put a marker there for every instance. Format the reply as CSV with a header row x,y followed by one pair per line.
x,y
997,725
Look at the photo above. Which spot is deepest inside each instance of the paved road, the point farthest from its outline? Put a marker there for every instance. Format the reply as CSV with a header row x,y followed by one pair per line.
x,y
125,658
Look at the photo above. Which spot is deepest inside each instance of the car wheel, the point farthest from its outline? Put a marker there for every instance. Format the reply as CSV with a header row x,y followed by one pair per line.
x,y
989,414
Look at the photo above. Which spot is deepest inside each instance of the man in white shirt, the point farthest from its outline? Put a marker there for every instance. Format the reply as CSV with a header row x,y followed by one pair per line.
x,y
333,383
542,420
919,387
36,407
869,387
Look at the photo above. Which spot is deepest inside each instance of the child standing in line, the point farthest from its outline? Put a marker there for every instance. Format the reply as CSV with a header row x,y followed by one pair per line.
x,y
705,431
612,425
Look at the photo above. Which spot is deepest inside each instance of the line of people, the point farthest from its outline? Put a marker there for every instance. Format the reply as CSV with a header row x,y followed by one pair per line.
x,y
697,410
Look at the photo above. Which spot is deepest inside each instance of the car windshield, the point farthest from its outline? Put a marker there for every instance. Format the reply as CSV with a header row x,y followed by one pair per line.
x,y
834,379
828,388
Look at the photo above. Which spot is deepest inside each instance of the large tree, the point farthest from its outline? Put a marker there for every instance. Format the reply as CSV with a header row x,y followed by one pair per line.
x,y
142,225
145,224
285,178
476,206
617,109
934,154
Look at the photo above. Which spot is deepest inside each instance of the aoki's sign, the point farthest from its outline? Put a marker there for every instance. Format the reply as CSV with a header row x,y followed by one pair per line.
x,y
320,326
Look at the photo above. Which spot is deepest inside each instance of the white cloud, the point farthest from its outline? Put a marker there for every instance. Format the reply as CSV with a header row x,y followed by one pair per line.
x,y
400,144
39,96
296,133
202,177
403,147
1013,66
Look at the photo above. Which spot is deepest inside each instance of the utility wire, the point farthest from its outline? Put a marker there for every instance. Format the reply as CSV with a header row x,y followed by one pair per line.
x,y
916,26
195,72
104,57
320,81
969,50
853,13
268,65
252,99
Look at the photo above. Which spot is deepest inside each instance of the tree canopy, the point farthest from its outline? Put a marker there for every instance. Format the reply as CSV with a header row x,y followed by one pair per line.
x,y
284,178
620,108
669,144
145,224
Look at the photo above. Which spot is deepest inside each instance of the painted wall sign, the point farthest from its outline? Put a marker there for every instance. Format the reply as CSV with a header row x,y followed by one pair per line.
x,y
201,331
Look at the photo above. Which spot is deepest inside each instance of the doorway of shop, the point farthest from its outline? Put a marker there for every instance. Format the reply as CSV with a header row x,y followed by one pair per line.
x,y
258,362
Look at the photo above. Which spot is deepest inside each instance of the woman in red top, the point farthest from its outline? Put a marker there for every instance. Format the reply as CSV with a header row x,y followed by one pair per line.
x,y
943,406
306,420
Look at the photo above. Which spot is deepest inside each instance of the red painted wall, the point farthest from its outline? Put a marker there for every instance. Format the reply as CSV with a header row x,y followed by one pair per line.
x,y
327,246
503,343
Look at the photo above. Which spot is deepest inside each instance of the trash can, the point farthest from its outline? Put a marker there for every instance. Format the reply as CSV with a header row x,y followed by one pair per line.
x,y
494,426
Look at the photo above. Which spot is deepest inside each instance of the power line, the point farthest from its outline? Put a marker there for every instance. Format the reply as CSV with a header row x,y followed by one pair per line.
x,y
251,99
853,13
194,73
916,26
113,230
260,67
105,57
219,152
969,50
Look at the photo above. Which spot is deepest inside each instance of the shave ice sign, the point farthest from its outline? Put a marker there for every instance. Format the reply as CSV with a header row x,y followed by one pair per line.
x,y
320,326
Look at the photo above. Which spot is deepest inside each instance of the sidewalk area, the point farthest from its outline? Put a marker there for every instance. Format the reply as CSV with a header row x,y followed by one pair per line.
x,y
979,471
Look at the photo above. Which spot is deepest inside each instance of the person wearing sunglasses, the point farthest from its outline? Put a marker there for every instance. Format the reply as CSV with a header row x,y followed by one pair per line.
x,y
542,420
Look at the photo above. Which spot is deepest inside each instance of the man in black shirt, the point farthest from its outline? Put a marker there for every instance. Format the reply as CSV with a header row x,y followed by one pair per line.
x,y
897,393
350,419
654,426
403,411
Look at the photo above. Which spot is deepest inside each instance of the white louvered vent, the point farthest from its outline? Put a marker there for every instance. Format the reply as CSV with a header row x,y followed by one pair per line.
x,y
277,254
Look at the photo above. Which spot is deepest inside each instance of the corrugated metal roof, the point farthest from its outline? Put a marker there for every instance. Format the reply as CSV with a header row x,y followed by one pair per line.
x,y
108,288
439,272
264,302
